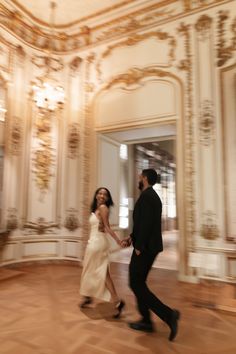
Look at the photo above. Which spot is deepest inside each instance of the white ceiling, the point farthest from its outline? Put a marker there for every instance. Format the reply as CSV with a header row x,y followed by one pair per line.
x,y
144,134
70,11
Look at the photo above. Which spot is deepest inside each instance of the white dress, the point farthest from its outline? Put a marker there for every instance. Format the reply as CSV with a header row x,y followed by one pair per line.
x,y
95,263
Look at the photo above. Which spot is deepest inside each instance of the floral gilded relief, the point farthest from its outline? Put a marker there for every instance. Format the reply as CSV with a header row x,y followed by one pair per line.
x,y
73,140
203,27
44,154
225,50
209,229
40,227
207,123
16,136
72,220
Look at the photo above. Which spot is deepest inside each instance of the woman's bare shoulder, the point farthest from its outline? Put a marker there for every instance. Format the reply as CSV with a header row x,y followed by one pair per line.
x,y
103,207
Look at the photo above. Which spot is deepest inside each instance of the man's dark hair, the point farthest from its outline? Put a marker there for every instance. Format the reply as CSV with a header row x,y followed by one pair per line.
x,y
151,175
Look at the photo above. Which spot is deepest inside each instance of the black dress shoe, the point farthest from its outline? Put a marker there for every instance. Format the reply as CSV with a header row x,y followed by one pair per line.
x,y
87,301
173,324
142,326
119,308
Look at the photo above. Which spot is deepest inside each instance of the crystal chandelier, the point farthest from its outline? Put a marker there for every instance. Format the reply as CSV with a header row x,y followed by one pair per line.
x,y
47,93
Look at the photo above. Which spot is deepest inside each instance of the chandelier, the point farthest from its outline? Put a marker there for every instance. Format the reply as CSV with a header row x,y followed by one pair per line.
x,y
48,94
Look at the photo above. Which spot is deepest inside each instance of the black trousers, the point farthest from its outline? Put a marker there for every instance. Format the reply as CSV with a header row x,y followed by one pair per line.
x,y
138,272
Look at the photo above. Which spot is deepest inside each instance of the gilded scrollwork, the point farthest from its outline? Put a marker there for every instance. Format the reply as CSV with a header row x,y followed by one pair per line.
x,y
207,123
75,64
203,26
72,220
134,76
43,155
16,136
73,140
137,38
209,229
186,65
40,227
134,23
225,52
136,19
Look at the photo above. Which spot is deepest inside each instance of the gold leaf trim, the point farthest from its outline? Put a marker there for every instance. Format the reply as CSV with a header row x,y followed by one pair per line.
x,y
225,52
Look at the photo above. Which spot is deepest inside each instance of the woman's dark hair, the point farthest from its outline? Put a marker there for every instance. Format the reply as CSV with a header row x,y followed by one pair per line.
x,y
108,203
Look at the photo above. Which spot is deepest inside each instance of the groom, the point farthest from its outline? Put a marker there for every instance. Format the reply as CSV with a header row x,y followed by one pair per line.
x,y
147,242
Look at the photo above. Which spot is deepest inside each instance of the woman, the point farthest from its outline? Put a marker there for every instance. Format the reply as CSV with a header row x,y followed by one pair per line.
x,y
96,280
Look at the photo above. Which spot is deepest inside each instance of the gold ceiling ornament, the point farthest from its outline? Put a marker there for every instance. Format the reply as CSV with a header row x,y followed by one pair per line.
x,y
209,229
203,26
225,52
48,94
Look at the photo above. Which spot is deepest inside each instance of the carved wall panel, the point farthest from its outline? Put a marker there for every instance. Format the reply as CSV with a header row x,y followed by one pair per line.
x,y
228,84
155,48
137,95
206,122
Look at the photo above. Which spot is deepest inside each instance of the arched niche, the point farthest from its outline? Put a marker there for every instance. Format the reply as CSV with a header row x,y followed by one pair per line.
x,y
144,98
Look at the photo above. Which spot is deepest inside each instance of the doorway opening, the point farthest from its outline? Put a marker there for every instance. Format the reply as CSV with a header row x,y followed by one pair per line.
x,y
151,147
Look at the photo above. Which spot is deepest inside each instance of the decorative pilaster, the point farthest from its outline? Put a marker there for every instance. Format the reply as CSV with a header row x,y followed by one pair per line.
x,y
207,189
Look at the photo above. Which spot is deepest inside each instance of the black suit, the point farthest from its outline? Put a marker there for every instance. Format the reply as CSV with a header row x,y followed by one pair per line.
x,y
147,238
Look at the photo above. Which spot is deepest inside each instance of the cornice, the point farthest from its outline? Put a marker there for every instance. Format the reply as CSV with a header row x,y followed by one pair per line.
x,y
68,25
68,42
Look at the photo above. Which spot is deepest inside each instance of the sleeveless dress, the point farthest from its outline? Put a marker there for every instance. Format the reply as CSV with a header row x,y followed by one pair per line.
x,y
95,263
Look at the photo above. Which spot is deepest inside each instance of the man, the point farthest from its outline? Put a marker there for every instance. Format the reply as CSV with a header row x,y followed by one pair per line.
x,y
147,242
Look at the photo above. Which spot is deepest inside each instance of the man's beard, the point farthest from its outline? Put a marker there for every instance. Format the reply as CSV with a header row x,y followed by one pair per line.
x,y
140,185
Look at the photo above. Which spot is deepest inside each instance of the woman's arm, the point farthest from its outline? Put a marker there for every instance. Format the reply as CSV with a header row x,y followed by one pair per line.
x,y
104,213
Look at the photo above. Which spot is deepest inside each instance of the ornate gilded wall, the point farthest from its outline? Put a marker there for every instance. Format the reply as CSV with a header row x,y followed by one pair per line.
x,y
168,62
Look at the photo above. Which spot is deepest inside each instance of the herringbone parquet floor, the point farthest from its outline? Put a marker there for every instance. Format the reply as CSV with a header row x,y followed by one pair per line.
x,y
39,314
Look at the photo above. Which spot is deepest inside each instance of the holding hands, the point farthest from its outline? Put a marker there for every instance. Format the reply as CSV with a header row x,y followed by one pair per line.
x,y
126,242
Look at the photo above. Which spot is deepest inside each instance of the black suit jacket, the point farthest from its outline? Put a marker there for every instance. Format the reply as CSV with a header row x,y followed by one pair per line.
x,y
146,234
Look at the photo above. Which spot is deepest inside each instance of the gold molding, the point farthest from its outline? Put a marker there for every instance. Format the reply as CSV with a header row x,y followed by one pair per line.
x,y
73,23
63,42
187,66
87,126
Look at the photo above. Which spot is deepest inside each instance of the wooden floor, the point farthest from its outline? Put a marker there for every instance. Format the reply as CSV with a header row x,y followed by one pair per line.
x,y
39,314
